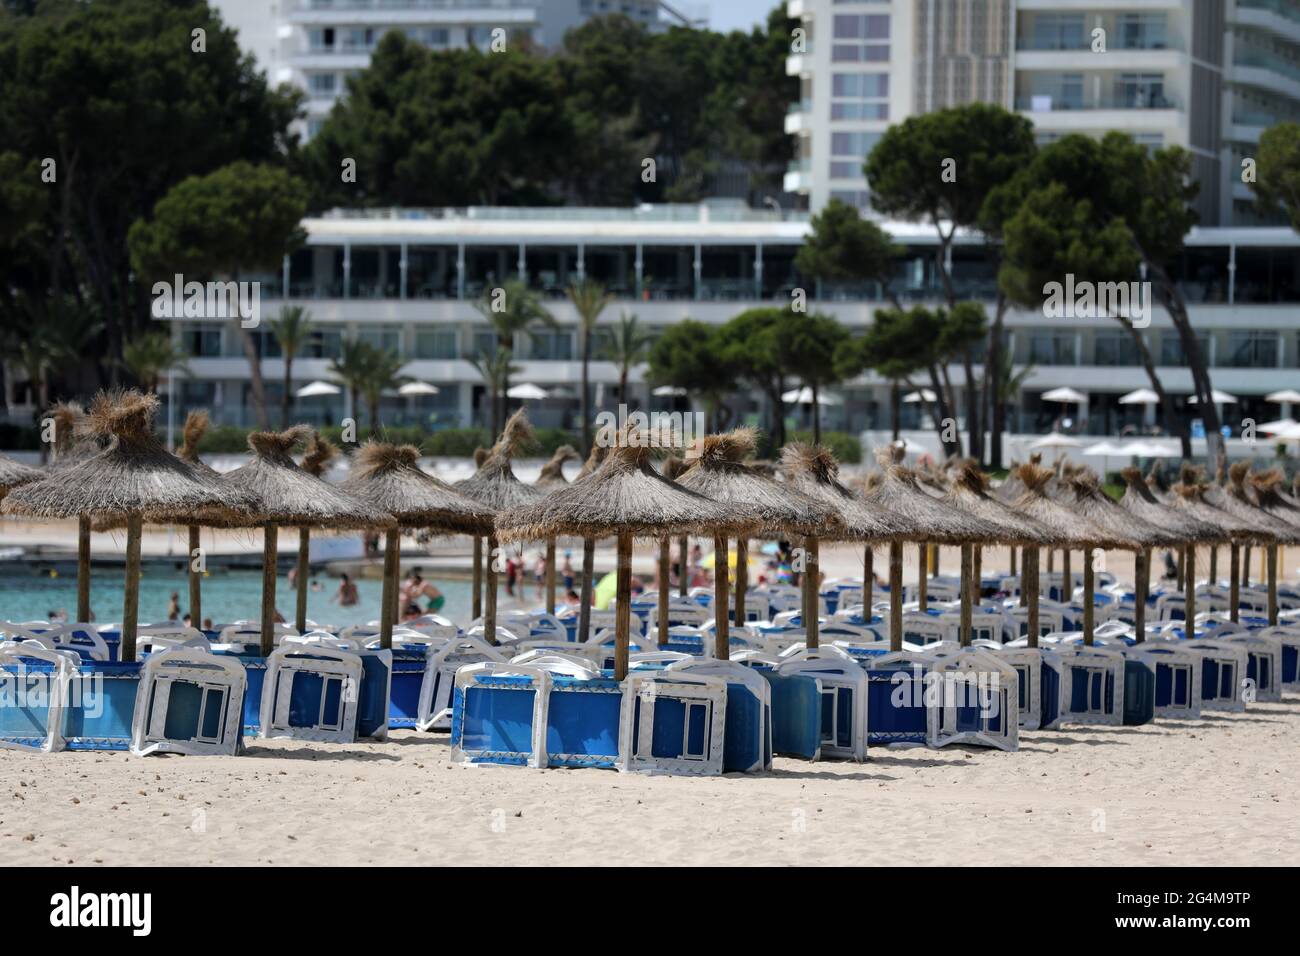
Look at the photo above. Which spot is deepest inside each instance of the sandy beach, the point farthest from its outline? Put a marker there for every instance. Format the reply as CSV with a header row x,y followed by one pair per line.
x,y
1221,790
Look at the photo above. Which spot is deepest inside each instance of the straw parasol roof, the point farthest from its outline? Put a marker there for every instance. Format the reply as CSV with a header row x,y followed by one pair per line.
x,y
14,473
920,515
552,475
1069,528
623,496
1139,501
387,477
72,443
1087,498
318,455
1235,498
813,470
1012,487
286,494
720,473
1267,487
495,484
970,493
134,475
1189,496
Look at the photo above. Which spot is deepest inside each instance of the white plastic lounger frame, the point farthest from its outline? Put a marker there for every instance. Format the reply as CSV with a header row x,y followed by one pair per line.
x,y
331,665
703,698
510,677
737,673
434,709
157,637
1180,662
843,682
1230,659
221,682
1027,662
1287,636
1265,654
57,691
973,676
1099,664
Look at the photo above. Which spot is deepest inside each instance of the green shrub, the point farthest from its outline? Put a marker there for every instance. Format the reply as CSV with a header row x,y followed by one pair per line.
x,y
455,442
847,448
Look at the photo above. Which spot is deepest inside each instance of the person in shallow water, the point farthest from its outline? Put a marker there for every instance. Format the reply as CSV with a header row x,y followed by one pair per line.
x,y
346,595
416,587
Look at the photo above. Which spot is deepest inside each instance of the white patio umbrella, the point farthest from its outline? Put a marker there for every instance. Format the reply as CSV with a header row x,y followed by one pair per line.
x,y
418,388
318,387
1278,425
1056,440
1289,433
664,391
1218,397
1150,449
804,396
924,395
527,391
1065,395
1288,396
1140,396
1104,450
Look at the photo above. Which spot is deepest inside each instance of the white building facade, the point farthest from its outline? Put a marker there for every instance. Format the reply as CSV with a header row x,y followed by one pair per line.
x,y
1207,75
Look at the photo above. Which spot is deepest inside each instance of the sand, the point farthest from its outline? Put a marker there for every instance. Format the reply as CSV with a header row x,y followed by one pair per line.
x,y
1224,789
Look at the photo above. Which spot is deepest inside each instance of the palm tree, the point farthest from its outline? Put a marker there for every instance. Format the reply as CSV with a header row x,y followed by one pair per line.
x,y
496,370
589,300
512,308
150,356
383,373
629,346
1008,381
50,335
351,366
292,330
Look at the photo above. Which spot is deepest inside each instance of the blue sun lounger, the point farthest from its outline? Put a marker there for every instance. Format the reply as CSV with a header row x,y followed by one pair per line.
x,y
189,701
843,688
35,687
673,723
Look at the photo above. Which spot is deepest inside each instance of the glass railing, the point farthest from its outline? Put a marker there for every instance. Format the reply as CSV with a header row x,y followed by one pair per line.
x,y
1113,42
802,106
1044,102
1268,61
1283,8
414,4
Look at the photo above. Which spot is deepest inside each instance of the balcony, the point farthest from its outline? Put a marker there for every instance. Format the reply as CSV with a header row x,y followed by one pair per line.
x,y
1151,111
1281,17
799,117
799,64
1266,71
798,176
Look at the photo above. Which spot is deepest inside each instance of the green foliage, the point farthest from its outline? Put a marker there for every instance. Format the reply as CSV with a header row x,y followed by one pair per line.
x,y
368,371
1277,171
901,343
456,442
627,347
842,246
151,355
847,448
691,354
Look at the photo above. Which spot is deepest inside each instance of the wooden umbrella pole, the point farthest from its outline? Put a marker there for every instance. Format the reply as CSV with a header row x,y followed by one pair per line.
x,y
1013,562
684,574
742,580
922,589
1272,585
977,573
1245,567
868,581
811,609
623,625
490,597
1067,577
661,608
1051,560
83,569
388,603
895,596
304,571
1234,582
588,572
966,587
1089,612
1214,564
1140,583
195,579
131,590
476,600
1189,595
934,560
550,576
721,591
1029,572
270,552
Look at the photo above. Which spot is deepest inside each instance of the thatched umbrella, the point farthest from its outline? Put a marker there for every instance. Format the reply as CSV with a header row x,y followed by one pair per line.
x,y
288,495
1089,500
132,481
813,470
719,473
196,424
1243,501
1068,526
1190,495
586,585
495,485
922,518
14,473
1139,502
969,492
71,445
476,599
387,478
673,466
316,458
624,498
551,478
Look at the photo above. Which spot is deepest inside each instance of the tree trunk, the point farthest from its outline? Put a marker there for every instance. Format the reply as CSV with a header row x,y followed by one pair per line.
x,y
895,412
285,403
584,405
993,383
817,417
974,421
1172,420
941,412
254,377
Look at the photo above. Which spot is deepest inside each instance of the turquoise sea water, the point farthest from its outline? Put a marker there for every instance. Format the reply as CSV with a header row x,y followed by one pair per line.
x,y
227,596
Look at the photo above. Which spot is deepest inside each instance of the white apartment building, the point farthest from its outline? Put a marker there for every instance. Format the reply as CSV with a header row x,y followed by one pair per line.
x,y
1207,75
317,44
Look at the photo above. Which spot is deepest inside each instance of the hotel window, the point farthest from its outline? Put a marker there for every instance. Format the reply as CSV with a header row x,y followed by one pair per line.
x,y
860,96
1141,91
861,38
550,345
1052,348
485,344
1063,91
322,84
858,198
1141,31
1252,348
436,344
322,40
358,38
1059,31
202,341
384,337
1171,348
848,150
323,343
1114,349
